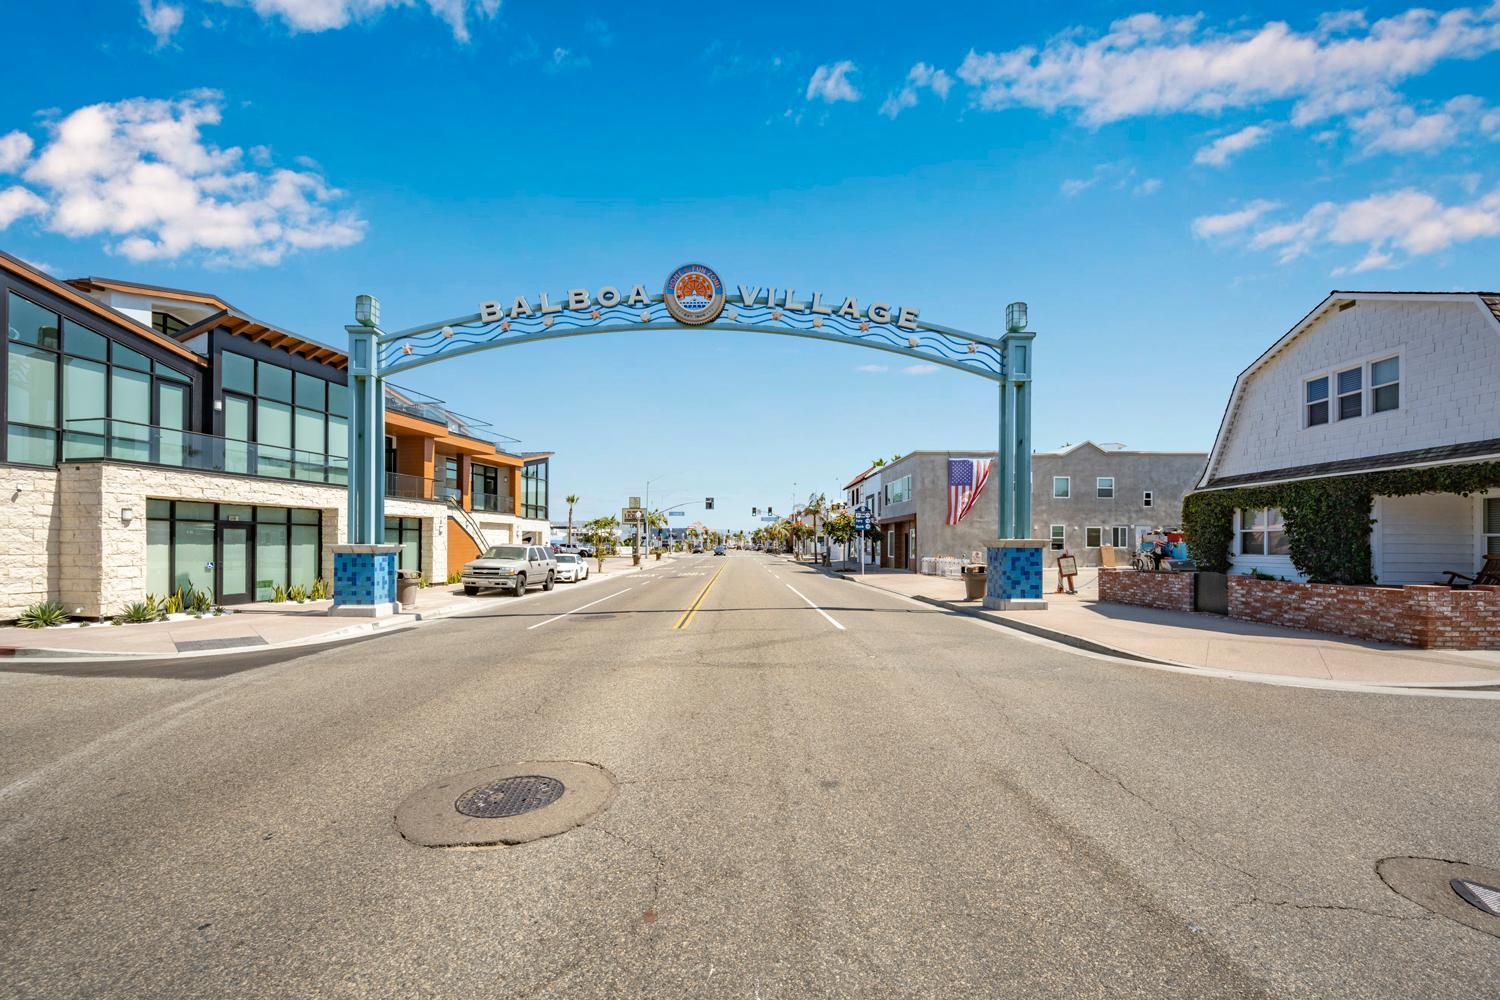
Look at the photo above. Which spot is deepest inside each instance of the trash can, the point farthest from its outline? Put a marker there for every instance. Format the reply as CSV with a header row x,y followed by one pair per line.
x,y
406,587
975,579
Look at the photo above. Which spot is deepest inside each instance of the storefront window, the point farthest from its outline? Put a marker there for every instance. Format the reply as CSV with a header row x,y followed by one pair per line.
x,y
269,546
407,533
287,415
534,490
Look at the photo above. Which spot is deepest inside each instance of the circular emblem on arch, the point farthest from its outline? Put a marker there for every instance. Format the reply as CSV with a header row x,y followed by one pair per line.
x,y
694,294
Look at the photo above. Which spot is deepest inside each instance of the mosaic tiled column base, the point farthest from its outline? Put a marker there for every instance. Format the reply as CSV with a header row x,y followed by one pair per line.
x,y
1013,575
364,580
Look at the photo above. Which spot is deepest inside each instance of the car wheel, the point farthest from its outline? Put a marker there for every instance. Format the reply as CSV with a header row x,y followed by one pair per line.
x,y
585,574
547,584
520,585
471,591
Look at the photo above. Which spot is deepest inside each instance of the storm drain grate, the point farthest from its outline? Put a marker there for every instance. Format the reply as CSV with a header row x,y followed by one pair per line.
x,y
510,796
1477,895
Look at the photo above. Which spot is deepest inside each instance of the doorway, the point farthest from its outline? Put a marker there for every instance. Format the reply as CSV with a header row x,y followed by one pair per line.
x,y
233,562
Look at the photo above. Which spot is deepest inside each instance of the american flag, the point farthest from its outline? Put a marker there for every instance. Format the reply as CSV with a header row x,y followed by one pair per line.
x,y
966,477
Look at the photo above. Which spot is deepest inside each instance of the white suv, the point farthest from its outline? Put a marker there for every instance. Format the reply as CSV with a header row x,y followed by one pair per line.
x,y
512,568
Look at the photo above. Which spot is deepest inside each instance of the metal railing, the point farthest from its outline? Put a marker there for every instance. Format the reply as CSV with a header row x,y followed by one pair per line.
x,y
492,503
127,441
403,487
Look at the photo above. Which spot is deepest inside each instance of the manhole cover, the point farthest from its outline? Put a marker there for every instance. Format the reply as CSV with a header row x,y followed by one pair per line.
x,y
1462,892
510,796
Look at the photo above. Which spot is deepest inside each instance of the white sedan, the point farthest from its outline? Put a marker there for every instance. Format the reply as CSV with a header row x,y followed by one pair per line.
x,y
571,568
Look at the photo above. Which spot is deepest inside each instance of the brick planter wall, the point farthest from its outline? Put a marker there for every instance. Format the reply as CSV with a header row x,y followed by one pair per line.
x,y
1168,591
1428,617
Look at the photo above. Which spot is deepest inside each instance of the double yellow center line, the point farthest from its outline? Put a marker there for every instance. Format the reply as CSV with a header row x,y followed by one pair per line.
x,y
687,616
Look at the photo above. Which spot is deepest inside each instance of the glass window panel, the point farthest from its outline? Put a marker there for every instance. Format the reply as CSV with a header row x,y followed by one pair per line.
x,y
124,357
273,514
312,434
195,554
1317,413
159,508
236,430
189,511
1492,516
1351,380
171,405
31,324
1061,486
130,412
237,372
301,516
1253,543
163,371
31,445
1492,547
158,555
273,381
1387,397
1350,406
1273,518
233,512
84,342
338,399
1317,389
270,558
1091,537
338,436
305,544
1277,543
311,391
1385,371
31,386
273,432
85,385
1106,487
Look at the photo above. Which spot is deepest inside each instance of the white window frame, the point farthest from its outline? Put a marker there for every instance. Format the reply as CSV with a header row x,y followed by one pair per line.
x,y
904,485
1485,537
1367,388
1326,401
1057,536
1277,523
1068,487
1147,499
1099,487
1118,532
1099,543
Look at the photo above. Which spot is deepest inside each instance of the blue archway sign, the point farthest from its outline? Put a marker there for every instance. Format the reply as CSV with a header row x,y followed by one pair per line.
x,y
693,297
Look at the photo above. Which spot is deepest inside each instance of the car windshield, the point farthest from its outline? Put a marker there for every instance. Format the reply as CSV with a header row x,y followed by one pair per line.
x,y
505,552
566,557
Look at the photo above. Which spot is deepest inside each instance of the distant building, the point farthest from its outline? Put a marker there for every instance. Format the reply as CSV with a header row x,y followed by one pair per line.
x,y
1084,498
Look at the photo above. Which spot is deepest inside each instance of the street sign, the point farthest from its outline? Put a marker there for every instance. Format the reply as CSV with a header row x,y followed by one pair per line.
x,y
861,511
768,518
861,524
677,513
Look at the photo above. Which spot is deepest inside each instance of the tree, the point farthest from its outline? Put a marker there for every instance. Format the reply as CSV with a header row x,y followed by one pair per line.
x,y
877,463
572,500
840,528
600,533
656,520
817,504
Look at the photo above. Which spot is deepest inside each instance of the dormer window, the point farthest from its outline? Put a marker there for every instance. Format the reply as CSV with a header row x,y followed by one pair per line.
x,y
165,323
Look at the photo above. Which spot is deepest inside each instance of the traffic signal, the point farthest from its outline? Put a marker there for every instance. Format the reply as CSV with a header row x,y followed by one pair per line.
x,y
769,512
754,511
708,503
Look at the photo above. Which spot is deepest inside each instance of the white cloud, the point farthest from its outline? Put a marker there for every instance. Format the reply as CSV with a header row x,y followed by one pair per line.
x,y
831,84
1225,148
1212,226
1389,226
327,15
921,76
138,173
919,369
16,202
1152,65
1150,185
871,369
14,148
1399,128
161,19
1072,187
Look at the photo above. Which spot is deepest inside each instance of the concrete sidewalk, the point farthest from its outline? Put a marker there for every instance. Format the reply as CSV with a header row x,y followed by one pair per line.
x,y
261,625
1203,640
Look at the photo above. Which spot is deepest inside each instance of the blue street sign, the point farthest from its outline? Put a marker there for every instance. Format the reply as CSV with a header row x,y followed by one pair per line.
x,y
677,513
768,519
861,524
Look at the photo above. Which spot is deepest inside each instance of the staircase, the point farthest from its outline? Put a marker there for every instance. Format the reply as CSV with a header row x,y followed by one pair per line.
x,y
466,521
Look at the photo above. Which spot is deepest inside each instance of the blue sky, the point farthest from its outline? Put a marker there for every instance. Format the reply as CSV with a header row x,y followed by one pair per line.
x,y
1169,188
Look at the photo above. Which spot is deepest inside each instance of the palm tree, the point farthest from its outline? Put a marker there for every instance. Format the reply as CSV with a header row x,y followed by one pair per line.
x,y
600,533
655,521
571,499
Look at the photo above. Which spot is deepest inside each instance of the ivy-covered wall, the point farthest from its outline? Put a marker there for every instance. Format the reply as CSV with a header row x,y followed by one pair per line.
x,y
1327,520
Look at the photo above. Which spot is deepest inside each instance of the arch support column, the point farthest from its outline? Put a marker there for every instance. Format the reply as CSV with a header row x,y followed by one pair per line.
x,y
1014,562
364,569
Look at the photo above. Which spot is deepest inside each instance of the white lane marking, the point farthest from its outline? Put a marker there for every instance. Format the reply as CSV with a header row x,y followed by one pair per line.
x,y
815,607
565,614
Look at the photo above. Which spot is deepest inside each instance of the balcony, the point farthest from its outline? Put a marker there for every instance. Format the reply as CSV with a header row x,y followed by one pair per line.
x,y
126,441
492,503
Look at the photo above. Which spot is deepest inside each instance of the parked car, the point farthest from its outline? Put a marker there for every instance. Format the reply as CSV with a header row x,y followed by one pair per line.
x,y
586,550
558,548
512,568
697,550
571,567
718,550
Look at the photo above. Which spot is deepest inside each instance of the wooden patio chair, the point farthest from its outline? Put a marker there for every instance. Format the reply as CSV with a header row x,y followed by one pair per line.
x,y
1488,575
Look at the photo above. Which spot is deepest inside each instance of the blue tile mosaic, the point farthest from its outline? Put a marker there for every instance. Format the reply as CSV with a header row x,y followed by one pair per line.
x,y
364,577
1014,574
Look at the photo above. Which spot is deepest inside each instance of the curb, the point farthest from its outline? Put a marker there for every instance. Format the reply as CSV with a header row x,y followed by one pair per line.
x,y
1088,645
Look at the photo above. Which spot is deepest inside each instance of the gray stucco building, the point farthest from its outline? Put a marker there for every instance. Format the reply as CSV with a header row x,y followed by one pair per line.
x,y
1083,498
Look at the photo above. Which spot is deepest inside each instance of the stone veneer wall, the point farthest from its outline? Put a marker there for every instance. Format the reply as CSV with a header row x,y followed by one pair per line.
x,y
62,537
1425,616
1168,591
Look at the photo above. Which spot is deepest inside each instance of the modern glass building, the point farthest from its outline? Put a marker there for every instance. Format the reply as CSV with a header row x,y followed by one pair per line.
x,y
157,438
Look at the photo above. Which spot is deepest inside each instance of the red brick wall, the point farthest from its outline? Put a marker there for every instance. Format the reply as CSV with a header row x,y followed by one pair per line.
x,y
1169,591
1428,617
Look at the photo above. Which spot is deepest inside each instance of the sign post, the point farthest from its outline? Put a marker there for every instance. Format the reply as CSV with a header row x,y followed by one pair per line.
x,y
861,525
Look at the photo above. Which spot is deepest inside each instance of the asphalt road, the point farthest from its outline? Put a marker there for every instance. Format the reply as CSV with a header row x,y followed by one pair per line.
x,y
824,790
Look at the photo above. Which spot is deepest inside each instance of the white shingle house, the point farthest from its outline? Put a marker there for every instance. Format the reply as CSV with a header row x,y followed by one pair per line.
x,y
1373,382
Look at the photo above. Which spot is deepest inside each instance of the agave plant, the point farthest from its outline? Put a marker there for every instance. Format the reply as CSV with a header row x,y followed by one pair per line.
x,y
43,614
321,590
298,593
172,605
202,601
278,593
137,613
